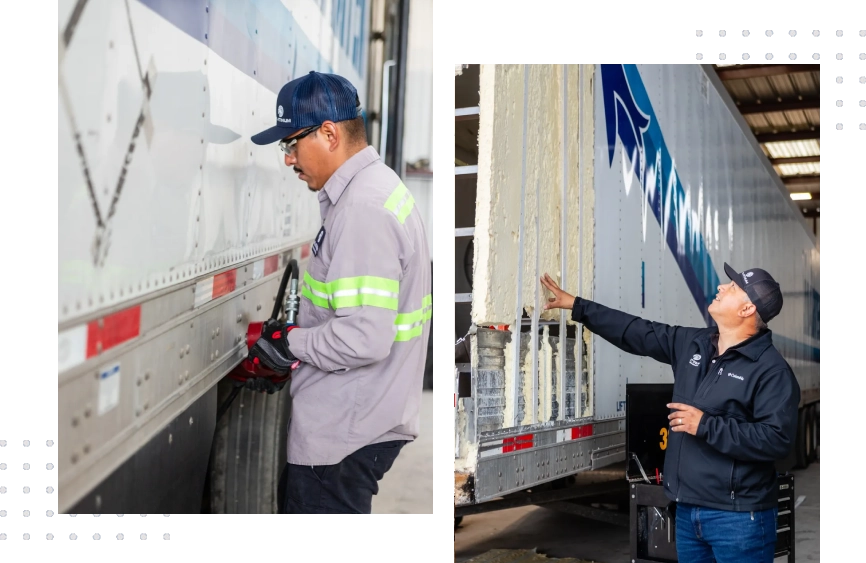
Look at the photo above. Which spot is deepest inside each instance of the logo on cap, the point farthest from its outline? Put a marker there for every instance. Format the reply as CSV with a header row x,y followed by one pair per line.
x,y
280,118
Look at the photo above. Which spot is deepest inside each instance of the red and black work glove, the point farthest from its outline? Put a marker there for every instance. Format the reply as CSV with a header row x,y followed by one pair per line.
x,y
272,349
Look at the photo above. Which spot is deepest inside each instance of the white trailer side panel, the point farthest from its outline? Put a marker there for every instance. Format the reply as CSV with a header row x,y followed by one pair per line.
x,y
196,194
695,192
174,227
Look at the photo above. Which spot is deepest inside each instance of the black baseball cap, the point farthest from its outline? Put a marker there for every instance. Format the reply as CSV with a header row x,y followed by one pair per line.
x,y
309,101
761,288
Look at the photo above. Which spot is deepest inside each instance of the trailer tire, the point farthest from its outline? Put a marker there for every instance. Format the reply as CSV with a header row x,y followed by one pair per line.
x,y
248,453
801,459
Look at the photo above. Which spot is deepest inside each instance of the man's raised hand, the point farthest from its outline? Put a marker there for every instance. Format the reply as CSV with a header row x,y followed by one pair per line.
x,y
560,299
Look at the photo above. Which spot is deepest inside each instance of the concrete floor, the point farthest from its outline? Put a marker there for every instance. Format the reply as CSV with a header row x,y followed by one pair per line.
x,y
564,535
408,487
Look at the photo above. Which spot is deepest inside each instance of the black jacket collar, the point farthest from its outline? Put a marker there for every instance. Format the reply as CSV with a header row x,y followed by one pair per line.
x,y
751,347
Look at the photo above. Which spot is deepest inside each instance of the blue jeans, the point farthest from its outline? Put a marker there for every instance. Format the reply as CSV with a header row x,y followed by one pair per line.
x,y
707,535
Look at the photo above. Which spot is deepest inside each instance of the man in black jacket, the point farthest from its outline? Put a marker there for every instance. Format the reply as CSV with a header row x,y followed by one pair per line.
x,y
733,413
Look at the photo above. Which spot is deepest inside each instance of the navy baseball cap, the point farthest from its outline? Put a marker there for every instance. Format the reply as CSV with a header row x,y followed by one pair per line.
x,y
309,101
761,288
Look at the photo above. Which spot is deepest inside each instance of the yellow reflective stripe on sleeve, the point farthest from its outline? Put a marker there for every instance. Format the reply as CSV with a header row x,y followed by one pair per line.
x,y
364,290
314,299
396,197
409,318
400,202
315,291
361,297
315,284
371,291
405,335
372,282
352,292
411,325
406,209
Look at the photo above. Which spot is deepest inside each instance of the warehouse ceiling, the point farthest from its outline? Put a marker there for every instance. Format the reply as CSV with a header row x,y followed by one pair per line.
x,y
781,105
779,102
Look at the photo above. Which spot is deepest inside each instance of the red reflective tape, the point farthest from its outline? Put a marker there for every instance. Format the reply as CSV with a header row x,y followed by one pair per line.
x,y
581,431
522,442
224,283
575,432
305,251
114,330
272,264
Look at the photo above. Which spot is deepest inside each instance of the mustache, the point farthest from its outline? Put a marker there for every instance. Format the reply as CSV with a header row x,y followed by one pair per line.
x,y
297,170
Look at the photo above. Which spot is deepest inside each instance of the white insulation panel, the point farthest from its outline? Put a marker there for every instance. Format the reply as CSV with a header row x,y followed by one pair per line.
x,y
522,184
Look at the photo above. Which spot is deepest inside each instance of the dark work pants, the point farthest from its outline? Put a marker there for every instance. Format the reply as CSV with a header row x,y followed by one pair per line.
x,y
344,488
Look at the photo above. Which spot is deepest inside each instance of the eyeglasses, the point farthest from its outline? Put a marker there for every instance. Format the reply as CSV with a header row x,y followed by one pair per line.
x,y
288,145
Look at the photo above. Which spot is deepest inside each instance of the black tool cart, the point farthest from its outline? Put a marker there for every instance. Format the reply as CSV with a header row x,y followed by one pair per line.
x,y
652,515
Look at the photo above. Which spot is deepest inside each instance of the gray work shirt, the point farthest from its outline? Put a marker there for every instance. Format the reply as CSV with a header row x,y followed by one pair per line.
x,y
364,317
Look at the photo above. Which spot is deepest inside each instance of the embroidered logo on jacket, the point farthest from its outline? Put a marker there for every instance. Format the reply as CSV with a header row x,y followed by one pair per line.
x,y
696,360
734,375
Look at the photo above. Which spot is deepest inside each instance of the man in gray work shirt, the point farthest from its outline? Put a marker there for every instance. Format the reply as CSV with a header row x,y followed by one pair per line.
x,y
366,301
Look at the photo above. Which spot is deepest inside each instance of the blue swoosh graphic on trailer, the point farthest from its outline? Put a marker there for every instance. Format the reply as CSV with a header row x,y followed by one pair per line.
x,y
262,38
629,116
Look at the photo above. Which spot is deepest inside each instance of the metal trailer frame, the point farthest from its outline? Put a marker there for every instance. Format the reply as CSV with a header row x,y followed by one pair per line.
x,y
193,226
182,352
694,204
518,457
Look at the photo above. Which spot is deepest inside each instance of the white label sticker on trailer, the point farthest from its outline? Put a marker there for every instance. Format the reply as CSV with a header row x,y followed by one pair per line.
x,y
71,348
109,388
258,270
203,292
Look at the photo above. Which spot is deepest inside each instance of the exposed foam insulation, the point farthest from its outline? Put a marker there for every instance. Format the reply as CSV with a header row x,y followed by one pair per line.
x,y
579,221
503,182
581,150
524,405
510,408
497,208
542,241
584,385
523,165
467,454
546,377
